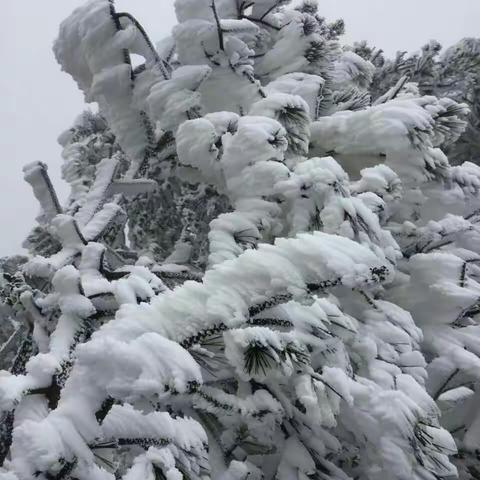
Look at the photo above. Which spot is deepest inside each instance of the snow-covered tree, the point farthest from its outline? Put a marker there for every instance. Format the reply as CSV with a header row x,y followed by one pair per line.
x,y
453,73
460,80
259,273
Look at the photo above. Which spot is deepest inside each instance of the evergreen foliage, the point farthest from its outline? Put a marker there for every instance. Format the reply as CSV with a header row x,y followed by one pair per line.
x,y
452,73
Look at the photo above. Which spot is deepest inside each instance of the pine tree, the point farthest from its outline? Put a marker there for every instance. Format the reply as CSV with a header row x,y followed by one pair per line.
x,y
260,272
460,80
453,73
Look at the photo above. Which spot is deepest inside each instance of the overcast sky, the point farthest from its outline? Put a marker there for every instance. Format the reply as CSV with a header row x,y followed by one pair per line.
x,y
38,101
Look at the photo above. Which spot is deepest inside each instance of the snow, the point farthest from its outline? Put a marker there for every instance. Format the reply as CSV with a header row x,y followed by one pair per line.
x,y
198,43
170,101
455,395
11,389
361,139
126,422
36,175
137,369
101,220
290,51
257,275
296,459
104,177
436,276
90,48
351,68
191,9
309,87
279,106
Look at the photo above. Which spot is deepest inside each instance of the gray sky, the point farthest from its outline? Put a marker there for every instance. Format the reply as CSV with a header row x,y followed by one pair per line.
x,y
39,101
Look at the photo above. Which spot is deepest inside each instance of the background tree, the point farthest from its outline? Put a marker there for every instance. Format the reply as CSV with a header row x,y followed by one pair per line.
x,y
453,73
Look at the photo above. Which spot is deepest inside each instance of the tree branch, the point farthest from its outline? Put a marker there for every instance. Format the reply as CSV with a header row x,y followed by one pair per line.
x,y
270,10
221,40
444,385
262,22
159,61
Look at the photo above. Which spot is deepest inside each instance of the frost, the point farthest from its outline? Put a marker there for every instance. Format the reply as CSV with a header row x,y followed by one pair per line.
x,y
267,267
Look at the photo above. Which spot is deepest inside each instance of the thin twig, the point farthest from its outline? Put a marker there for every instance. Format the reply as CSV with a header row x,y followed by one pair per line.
x,y
219,26
375,56
463,274
270,10
159,61
262,22
444,385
